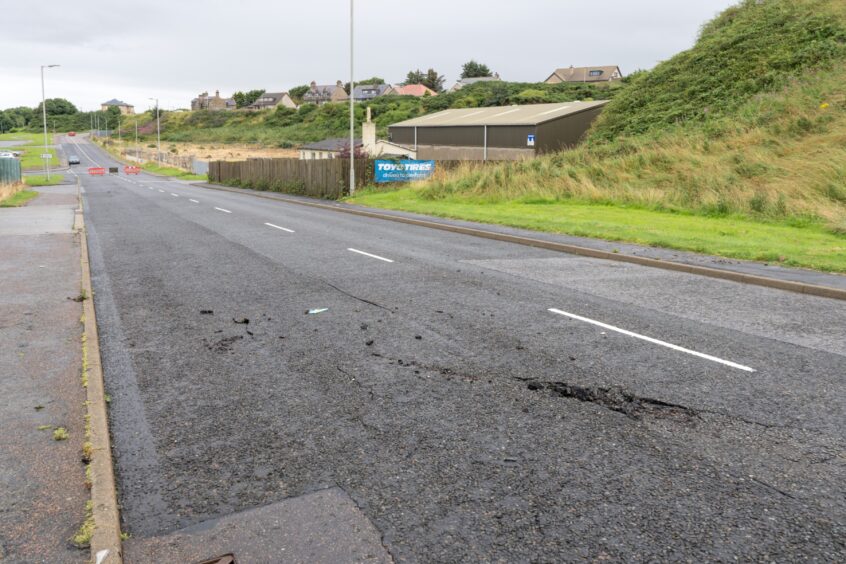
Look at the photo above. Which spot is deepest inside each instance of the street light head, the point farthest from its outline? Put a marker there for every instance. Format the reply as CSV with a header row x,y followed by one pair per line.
x,y
50,66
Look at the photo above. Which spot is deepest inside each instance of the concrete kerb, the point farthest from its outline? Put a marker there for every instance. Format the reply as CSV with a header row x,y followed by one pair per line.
x,y
106,545
776,283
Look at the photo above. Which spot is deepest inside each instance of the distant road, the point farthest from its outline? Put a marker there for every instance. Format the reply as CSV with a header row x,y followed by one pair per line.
x,y
478,400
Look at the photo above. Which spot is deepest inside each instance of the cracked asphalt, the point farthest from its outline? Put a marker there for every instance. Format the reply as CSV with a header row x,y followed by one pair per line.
x,y
465,419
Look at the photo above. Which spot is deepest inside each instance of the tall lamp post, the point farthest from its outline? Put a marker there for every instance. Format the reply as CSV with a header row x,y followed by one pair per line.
x,y
158,134
352,97
44,116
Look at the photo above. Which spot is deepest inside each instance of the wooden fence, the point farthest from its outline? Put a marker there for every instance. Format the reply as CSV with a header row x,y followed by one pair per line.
x,y
328,179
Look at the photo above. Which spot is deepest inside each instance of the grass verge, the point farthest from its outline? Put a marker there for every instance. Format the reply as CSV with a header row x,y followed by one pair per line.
x,y
18,199
41,180
808,245
174,172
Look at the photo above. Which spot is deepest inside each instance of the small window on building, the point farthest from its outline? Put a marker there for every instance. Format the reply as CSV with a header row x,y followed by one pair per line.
x,y
596,73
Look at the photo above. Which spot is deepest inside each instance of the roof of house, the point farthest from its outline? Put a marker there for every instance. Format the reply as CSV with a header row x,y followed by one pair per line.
x,y
414,90
582,74
366,91
336,145
273,99
116,102
533,114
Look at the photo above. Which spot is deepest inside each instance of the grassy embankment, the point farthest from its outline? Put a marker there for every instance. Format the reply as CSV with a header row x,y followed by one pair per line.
x,y
286,128
736,147
32,151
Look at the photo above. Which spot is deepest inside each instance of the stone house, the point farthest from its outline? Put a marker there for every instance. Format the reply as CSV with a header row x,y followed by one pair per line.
x,y
325,93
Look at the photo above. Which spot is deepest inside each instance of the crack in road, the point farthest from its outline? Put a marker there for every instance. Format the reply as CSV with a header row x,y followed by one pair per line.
x,y
613,398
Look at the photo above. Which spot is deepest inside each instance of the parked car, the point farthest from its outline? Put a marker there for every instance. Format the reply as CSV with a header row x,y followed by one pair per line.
x,y
6,155
71,133
73,159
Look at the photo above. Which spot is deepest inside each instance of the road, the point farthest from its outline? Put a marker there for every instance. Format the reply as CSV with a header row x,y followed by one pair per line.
x,y
478,400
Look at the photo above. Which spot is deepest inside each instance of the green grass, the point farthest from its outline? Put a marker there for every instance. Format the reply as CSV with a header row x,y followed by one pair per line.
x,y
810,246
32,151
41,180
33,138
18,199
174,172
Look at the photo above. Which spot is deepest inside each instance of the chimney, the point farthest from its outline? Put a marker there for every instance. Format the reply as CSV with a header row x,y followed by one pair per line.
x,y
368,134
313,85
217,93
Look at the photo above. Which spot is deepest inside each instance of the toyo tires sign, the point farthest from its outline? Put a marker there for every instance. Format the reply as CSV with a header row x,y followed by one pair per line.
x,y
403,171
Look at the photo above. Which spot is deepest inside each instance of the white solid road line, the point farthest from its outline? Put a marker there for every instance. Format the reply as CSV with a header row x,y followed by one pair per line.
x,y
654,341
194,201
223,210
369,255
279,228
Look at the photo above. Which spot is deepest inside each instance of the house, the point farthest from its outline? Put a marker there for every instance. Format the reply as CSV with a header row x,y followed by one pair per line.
x,y
376,148
272,100
500,133
212,103
418,90
322,94
328,149
125,109
586,74
468,81
365,92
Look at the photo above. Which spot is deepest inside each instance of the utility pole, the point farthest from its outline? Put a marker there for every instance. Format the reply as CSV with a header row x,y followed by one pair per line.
x,y
158,134
44,116
352,97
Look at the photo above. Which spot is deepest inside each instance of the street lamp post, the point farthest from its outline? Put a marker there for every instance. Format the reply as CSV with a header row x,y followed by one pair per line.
x,y
44,116
352,97
158,134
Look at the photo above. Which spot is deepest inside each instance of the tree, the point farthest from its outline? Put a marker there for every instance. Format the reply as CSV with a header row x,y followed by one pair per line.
x,y
296,93
415,77
433,80
6,122
21,116
473,69
57,107
244,99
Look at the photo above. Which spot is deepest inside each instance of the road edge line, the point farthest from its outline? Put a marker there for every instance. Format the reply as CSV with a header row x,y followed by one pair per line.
x,y
731,276
105,512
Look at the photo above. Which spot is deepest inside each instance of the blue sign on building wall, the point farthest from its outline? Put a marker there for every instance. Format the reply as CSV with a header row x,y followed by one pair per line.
x,y
403,171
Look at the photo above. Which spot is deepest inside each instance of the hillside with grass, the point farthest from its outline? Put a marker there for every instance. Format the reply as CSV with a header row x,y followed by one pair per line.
x,y
743,133
284,127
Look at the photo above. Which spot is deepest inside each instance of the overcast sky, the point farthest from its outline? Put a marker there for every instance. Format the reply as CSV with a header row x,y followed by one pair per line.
x,y
175,49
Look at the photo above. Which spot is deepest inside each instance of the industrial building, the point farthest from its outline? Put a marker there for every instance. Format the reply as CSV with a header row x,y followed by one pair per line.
x,y
500,133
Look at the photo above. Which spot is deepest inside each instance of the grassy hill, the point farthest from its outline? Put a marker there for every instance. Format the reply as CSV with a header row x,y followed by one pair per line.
x,y
284,127
743,133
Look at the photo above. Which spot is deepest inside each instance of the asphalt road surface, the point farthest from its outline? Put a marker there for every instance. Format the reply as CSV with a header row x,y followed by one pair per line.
x,y
478,400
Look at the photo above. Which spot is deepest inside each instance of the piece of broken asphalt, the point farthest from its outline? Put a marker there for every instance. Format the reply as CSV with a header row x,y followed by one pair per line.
x,y
241,321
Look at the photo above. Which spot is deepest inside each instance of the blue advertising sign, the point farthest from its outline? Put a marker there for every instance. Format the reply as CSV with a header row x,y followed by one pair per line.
x,y
403,171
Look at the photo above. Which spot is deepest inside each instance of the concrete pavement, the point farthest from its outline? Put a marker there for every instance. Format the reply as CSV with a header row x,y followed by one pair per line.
x,y
665,417
42,492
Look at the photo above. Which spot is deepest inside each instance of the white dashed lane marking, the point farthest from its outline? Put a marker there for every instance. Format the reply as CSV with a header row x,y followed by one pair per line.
x,y
653,341
377,257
